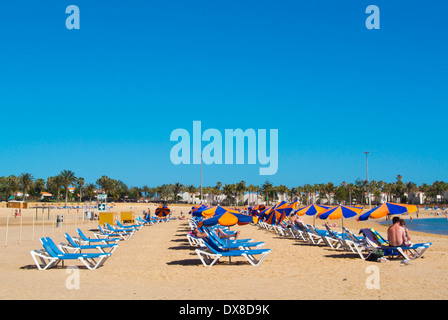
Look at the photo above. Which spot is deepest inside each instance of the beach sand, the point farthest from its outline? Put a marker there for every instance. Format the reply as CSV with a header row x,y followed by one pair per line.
x,y
158,263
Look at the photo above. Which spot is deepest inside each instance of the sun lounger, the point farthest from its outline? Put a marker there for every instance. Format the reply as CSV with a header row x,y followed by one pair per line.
x,y
195,241
309,236
135,227
83,240
144,221
109,228
213,253
109,234
371,242
51,256
327,238
77,248
243,244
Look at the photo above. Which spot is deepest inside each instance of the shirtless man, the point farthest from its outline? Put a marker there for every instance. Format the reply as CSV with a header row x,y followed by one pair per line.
x,y
396,234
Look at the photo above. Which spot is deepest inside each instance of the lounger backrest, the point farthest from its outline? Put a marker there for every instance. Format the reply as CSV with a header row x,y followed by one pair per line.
x,y
101,230
47,247
211,245
379,238
51,247
370,238
81,234
109,227
70,240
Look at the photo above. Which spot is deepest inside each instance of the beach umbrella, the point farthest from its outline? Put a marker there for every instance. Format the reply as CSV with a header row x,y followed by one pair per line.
x,y
162,211
275,217
387,209
294,204
312,210
283,207
217,210
340,212
196,211
226,219
259,207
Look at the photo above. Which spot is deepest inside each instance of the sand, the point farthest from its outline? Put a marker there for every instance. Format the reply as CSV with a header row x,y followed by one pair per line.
x,y
159,263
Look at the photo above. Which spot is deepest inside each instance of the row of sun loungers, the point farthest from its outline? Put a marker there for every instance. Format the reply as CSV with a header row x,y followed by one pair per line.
x,y
212,248
104,242
364,245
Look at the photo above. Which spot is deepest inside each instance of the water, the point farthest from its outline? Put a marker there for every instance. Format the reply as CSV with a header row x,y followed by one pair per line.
x,y
431,225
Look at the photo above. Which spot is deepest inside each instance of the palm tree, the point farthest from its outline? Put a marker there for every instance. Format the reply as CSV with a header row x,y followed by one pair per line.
x,y
25,181
177,188
240,188
267,190
146,190
68,179
12,185
228,191
80,181
192,192
55,182
90,190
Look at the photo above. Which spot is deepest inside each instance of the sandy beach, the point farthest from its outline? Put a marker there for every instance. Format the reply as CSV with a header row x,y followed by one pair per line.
x,y
158,263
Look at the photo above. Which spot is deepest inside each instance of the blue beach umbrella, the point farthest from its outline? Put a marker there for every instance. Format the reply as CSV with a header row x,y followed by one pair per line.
x,y
227,219
312,210
340,212
387,209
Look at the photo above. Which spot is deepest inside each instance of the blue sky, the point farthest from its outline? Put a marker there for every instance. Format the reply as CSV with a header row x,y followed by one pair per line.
x,y
103,100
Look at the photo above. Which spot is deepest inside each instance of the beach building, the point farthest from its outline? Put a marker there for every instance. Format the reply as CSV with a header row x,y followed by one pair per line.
x,y
416,197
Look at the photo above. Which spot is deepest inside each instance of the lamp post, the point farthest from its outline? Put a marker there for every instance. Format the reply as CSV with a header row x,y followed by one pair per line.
x,y
367,169
201,180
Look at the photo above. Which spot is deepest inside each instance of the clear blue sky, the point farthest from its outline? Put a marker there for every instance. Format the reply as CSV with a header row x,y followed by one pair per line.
x,y
104,99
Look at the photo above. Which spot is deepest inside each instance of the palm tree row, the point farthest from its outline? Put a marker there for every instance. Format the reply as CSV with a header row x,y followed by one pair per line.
x,y
239,193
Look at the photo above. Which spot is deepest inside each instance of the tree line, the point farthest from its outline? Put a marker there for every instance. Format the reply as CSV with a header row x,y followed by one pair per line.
x,y
344,193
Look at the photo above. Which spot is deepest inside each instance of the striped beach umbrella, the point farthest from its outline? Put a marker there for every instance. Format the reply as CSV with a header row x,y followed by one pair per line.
x,y
196,211
294,204
259,207
387,209
312,210
162,211
275,217
226,219
340,212
217,210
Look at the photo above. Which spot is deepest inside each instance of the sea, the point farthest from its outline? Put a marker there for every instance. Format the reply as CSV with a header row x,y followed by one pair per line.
x,y
430,225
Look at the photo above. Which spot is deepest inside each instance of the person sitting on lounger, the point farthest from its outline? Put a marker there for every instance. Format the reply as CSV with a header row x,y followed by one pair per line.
x,y
396,234
198,234
406,232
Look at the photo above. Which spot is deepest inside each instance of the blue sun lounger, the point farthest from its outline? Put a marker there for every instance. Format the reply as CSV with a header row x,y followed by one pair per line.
x,y
213,253
77,248
109,234
135,227
233,244
118,230
371,242
147,221
51,256
83,240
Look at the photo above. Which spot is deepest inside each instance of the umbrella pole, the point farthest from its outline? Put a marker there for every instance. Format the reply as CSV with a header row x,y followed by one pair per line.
x,y
228,240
